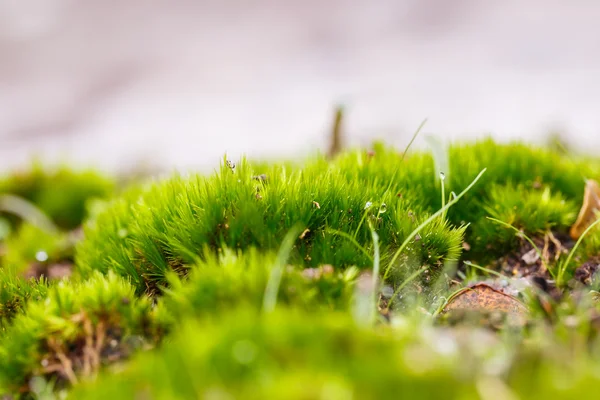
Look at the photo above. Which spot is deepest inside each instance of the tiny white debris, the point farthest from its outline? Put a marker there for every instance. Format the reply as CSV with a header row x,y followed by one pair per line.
x,y
531,257
41,256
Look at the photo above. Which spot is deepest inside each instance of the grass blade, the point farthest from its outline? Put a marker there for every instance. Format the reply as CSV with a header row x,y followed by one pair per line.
x,y
428,220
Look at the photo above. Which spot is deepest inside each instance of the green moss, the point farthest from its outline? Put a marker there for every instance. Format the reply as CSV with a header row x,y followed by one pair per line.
x,y
164,229
287,355
75,330
145,237
535,212
209,245
61,193
15,292
229,281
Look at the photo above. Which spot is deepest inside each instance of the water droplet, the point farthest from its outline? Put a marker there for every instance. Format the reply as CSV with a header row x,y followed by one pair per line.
x,y
41,256
442,176
368,205
122,233
382,208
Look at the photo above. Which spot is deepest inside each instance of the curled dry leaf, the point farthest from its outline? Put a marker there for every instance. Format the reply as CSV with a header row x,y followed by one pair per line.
x,y
589,209
482,297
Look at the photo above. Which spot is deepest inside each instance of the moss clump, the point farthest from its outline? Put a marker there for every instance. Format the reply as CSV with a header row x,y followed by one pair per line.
x,y
230,281
145,237
62,194
287,355
164,229
15,292
533,211
321,280
294,355
74,331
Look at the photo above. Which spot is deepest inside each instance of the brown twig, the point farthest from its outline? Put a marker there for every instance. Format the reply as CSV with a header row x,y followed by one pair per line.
x,y
336,144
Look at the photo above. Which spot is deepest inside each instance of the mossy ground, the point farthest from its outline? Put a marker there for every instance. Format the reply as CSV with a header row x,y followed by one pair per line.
x,y
324,279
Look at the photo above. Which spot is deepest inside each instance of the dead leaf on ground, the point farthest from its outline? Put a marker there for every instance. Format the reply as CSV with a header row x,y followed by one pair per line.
x,y
482,298
587,214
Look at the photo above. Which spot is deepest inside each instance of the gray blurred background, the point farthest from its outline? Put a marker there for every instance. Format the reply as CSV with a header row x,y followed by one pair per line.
x,y
116,83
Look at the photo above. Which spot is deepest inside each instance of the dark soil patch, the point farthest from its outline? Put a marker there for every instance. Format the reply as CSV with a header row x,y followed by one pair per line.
x,y
527,262
57,270
586,273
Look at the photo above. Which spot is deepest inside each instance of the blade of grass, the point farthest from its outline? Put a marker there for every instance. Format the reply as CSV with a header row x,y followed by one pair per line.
x,y
419,129
375,274
520,233
563,266
272,288
484,269
408,280
387,190
27,211
428,220
351,239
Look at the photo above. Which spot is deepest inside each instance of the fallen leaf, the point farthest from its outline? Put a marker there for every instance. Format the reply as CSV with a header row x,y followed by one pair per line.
x,y
587,214
483,297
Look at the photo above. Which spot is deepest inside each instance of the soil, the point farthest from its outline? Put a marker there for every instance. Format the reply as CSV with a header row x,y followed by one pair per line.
x,y
586,273
58,270
525,262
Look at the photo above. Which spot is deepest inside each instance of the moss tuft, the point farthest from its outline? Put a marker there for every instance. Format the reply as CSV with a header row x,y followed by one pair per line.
x,y
74,331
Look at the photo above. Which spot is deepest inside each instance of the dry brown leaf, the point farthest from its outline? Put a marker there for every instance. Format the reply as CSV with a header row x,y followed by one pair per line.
x,y
587,214
483,297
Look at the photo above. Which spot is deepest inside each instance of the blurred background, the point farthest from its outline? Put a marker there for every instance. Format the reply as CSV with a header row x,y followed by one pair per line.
x,y
176,84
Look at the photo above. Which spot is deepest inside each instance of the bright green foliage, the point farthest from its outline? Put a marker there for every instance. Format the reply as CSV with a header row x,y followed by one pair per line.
x,y
81,321
61,194
519,166
230,281
30,248
162,230
15,292
287,355
533,211
291,355
212,246
166,227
